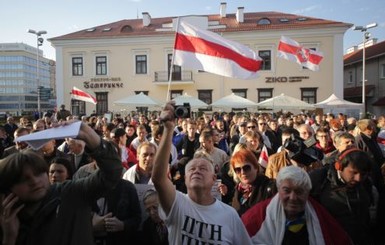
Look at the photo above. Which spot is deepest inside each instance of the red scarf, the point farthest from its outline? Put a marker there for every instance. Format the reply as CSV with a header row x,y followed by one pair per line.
x,y
246,191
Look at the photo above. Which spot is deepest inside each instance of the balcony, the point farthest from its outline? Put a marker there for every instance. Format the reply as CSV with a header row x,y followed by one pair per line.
x,y
183,77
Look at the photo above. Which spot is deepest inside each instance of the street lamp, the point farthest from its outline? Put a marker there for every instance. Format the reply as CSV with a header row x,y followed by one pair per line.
x,y
39,42
365,37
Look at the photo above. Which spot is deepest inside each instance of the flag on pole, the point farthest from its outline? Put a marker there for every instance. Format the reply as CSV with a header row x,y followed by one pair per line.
x,y
293,51
78,94
204,50
263,157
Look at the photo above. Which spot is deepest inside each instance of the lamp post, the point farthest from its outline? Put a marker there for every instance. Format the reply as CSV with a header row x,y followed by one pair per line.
x,y
39,42
365,37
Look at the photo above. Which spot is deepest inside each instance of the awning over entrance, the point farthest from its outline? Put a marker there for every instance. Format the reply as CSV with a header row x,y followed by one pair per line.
x,y
357,91
379,102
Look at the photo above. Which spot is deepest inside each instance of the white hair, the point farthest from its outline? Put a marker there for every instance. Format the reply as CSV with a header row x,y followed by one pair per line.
x,y
297,175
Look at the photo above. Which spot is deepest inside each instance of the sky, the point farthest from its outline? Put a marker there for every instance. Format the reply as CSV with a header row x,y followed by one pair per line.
x,y
59,17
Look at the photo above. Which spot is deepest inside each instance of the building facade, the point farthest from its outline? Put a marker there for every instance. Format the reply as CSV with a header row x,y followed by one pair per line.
x,y
119,59
374,76
21,81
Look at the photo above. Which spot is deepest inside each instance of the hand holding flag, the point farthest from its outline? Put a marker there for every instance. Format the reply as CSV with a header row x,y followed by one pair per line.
x,y
204,50
293,51
78,94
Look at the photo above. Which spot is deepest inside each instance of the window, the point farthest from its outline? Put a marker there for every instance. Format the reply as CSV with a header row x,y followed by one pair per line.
x,y
176,70
78,107
240,92
175,93
102,105
264,94
309,95
382,71
266,57
77,66
101,65
350,77
206,96
141,64
145,92
264,21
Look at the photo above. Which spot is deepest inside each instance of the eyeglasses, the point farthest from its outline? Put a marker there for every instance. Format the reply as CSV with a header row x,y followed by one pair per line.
x,y
245,168
262,124
322,136
250,126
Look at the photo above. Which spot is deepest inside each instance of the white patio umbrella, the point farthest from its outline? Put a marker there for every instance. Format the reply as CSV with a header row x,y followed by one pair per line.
x,y
138,100
284,102
334,102
195,103
233,101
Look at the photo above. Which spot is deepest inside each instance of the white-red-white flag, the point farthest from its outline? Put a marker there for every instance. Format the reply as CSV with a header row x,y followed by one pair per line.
x,y
78,94
293,51
263,157
207,51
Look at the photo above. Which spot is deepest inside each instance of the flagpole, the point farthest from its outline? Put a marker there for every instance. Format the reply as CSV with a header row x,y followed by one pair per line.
x,y
172,61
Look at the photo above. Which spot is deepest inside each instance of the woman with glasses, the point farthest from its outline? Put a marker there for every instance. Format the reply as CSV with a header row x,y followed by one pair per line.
x,y
251,187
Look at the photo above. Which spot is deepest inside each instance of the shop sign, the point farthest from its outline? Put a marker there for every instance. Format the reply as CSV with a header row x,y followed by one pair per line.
x,y
103,82
292,79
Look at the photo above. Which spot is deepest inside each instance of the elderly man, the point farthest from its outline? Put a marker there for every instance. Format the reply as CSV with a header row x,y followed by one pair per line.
x,y
196,217
291,217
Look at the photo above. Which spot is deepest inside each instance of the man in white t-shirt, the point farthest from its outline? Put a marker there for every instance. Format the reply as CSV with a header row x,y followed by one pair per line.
x,y
196,217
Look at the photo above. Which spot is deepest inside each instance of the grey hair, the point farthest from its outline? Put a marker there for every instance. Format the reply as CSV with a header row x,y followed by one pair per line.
x,y
297,175
201,158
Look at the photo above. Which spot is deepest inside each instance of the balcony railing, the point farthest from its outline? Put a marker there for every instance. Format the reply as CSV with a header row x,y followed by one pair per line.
x,y
184,77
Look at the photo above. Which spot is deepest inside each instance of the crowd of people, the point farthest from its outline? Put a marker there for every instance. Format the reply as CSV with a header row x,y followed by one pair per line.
x,y
229,178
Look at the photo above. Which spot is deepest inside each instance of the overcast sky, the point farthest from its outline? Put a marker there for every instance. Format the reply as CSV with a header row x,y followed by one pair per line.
x,y
59,17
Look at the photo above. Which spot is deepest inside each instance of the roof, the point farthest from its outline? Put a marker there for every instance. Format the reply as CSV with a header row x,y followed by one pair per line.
x,y
373,51
357,91
134,27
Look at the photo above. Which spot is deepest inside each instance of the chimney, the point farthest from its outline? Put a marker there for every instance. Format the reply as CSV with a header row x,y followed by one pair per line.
x,y
146,19
222,10
239,14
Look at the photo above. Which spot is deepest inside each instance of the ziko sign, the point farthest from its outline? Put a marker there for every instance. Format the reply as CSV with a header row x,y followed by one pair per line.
x,y
285,79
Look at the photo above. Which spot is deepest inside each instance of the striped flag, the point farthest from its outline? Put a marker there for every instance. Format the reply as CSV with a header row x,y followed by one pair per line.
x,y
263,157
204,50
78,94
293,51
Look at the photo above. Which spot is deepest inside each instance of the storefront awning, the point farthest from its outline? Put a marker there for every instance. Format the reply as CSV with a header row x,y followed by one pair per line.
x,y
357,91
379,102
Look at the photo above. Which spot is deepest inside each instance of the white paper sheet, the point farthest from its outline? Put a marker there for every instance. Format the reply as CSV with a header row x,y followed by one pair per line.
x,y
38,139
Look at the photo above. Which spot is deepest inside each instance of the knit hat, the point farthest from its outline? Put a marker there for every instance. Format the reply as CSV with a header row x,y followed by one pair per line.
x,y
117,132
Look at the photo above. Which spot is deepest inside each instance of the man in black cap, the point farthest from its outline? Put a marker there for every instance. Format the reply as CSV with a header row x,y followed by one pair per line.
x,y
62,114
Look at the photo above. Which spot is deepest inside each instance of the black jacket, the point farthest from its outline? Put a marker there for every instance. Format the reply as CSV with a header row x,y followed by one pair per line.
x,y
64,215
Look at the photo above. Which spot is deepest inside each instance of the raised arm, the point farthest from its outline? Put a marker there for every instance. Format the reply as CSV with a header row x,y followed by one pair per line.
x,y
162,183
108,160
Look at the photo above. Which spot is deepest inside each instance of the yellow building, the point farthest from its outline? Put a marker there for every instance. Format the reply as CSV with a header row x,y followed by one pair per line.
x,y
119,59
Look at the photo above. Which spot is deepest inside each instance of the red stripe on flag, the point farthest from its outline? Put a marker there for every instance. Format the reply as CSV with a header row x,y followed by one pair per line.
x,y
80,93
202,46
287,48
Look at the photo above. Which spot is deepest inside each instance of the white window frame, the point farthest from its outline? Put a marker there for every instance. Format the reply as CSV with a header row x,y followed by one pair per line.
x,y
101,53
145,52
77,55
271,48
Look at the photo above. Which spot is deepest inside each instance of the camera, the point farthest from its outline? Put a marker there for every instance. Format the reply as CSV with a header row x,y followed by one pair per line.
x,y
182,111
302,151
